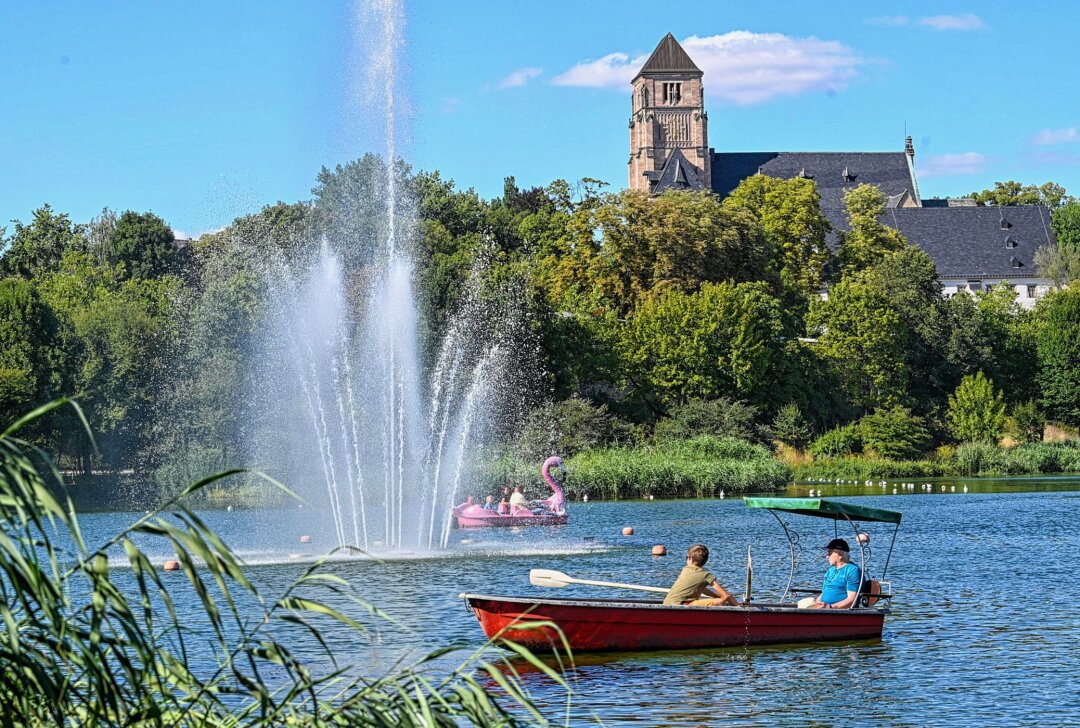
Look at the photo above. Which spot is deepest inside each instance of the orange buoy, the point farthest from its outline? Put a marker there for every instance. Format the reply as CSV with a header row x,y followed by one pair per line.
x,y
172,565
628,531
305,539
659,550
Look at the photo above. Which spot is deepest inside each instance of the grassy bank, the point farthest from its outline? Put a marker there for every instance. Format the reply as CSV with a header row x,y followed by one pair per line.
x,y
966,460
699,467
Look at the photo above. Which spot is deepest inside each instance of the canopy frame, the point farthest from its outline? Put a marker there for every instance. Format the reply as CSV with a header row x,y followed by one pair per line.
x,y
835,511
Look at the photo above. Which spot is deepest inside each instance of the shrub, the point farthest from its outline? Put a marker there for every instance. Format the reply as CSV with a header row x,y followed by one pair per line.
x,y
1027,422
894,434
568,427
721,417
840,441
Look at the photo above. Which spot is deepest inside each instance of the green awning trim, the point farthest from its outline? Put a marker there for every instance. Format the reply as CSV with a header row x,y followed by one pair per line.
x,y
824,509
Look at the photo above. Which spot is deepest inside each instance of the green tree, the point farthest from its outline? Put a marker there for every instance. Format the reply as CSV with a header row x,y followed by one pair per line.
x,y
1060,265
894,433
862,335
36,249
145,244
117,334
28,349
790,427
1050,194
976,410
1058,347
1065,222
867,240
789,212
721,340
630,245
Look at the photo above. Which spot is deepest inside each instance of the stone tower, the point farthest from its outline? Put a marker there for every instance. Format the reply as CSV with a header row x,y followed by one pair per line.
x,y
669,140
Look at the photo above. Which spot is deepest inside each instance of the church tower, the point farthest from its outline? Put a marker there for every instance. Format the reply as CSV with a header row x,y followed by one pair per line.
x,y
669,141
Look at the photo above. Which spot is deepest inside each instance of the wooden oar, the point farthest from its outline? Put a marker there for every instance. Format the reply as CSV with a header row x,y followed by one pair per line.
x,y
549,577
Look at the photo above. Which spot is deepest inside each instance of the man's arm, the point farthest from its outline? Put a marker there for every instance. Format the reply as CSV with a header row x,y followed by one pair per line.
x,y
723,594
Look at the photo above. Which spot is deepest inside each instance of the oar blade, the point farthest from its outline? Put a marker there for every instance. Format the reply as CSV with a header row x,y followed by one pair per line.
x,y
548,577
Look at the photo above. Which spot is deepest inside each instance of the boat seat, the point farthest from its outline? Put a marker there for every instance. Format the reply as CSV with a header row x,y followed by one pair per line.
x,y
868,596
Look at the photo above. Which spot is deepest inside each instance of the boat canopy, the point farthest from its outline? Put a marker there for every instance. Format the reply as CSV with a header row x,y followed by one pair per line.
x,y
824,509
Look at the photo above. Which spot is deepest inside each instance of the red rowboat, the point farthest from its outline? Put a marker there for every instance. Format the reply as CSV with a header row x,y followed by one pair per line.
x,y
596,625
610,625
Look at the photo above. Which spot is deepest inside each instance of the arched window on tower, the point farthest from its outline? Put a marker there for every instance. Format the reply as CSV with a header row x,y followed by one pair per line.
x,y
644,97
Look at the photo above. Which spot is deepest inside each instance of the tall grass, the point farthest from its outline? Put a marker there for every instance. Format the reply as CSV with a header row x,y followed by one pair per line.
x,y
699,467
76,648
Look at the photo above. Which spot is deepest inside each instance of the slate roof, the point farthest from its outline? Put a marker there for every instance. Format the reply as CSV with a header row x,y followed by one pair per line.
x,y
970,242
889,171
677,174
669,57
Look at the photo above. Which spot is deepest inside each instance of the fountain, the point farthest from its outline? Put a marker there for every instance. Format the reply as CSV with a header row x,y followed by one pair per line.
x,y
378,442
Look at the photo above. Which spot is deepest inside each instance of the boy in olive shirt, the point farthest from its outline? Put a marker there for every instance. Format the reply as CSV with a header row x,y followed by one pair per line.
x,y
692,582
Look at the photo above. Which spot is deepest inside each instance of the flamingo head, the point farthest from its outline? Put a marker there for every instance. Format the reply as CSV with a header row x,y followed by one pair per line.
x,y
555,462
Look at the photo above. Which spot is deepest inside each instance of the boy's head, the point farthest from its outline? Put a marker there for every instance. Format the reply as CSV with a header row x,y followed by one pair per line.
x,y
698,554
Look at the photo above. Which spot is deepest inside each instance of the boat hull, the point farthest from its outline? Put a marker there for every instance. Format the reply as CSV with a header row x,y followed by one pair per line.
x,y
475,517
608,625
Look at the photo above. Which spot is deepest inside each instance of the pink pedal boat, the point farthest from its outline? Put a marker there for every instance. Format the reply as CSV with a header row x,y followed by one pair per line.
x,y
550,511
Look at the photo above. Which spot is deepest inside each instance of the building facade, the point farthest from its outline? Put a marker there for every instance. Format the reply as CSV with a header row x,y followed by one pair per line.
x,y
973,247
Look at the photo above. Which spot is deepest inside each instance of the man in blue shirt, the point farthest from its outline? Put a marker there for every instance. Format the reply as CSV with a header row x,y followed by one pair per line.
x,y
842,580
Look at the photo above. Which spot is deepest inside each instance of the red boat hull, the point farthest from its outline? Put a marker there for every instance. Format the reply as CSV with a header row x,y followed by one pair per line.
x,y
608,625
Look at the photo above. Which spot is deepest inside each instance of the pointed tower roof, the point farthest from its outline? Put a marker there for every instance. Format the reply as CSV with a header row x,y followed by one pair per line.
x,y
669,57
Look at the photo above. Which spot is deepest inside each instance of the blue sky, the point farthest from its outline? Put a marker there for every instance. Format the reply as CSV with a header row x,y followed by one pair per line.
x,y
202,111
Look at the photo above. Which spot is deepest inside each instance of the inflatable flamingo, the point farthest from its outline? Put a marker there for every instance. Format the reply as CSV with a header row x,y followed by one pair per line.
x,y
553,511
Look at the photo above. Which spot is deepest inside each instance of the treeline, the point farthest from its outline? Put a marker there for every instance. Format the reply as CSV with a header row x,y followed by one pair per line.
x,y
654,319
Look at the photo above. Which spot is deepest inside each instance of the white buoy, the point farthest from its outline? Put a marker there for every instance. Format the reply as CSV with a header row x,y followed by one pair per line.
x,y
965,489
952,488
721,495
894,491
585,498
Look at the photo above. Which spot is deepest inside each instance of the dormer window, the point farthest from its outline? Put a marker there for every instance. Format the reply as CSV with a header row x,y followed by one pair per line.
x,y
847,175
1005,224
803,175
1010,242
1015,262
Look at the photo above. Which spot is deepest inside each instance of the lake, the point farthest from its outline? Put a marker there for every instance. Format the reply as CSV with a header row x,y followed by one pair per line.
x,y
984,629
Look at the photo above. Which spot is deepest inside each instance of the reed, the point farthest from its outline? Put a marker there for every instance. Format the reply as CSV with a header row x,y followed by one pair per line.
x,y
77,648
699,467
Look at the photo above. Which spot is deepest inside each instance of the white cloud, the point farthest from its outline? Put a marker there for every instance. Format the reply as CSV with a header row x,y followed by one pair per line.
x,y
967,21
740,67
450,104
519,77
946,165
1047,137
889,20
